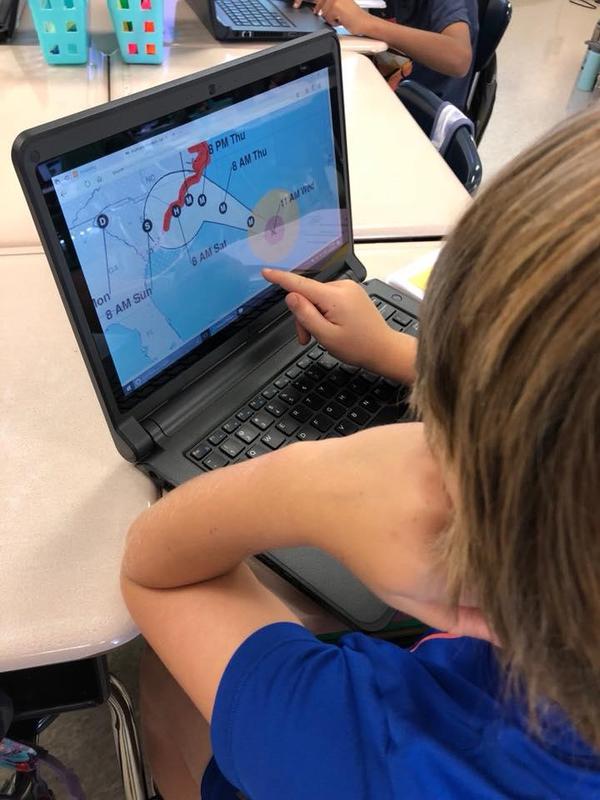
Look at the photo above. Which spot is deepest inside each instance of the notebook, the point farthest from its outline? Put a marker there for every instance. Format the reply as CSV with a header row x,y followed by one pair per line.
x,y
157,213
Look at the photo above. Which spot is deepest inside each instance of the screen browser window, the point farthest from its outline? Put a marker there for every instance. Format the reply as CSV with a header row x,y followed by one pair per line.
x,y
171,233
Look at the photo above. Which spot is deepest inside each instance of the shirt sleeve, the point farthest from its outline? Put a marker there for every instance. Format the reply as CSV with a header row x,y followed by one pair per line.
x,y
446,12
293,713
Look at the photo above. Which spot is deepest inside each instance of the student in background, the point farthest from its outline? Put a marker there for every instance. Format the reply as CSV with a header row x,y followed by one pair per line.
x,y
438,36
483,521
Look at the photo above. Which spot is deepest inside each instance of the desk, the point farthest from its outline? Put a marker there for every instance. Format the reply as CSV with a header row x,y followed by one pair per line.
x,y
400,186
68,497
33,93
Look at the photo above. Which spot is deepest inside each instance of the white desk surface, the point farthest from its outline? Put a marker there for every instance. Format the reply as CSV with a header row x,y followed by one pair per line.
x,y
400,187
67,496
33,93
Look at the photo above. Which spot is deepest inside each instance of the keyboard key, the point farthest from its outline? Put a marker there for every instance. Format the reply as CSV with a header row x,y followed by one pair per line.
x,y
262,420
300,413
216,438
199,452
247,433
276,408
349,368
282,382
334,410
313,401
231,425
369,377
315,373
287,425
269,392
386,310
376,302
328,362
290,396
302,385
321,422
257,403
402,319
293,372
387,393
256,450
326,389
370,405
346,398
315,353
358,415
345,427
273,439
307,435
231,447
215,461
244,414
358,385
338,377
304,362
413,328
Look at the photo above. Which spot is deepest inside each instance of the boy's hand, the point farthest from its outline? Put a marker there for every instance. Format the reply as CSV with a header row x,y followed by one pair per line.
x,y
342,12
343,319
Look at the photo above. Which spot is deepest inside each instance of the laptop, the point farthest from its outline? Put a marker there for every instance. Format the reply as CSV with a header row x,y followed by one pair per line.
x,y
157,213
277,20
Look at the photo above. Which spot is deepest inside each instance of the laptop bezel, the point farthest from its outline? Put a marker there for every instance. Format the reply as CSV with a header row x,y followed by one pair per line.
x,y
51,140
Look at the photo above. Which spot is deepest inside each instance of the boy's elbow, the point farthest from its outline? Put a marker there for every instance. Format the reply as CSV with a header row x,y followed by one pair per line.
x,y
461,62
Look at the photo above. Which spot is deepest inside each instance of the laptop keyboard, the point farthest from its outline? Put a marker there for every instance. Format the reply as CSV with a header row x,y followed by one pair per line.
x,y
315,397
253,14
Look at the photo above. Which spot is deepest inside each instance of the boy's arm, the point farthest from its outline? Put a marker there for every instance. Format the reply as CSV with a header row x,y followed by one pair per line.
x,y
183,577
448,52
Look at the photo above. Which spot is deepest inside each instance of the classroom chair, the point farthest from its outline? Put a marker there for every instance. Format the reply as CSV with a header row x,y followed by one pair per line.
x,y
494,16
31,699
461,153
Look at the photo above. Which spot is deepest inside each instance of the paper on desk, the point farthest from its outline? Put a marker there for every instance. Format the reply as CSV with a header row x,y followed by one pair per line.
x,y
414,276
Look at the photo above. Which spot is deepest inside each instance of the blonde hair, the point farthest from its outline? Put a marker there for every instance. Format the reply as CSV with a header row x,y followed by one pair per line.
x,y
509,379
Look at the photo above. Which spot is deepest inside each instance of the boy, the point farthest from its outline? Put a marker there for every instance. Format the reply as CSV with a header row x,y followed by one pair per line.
x,y
439,36
483,523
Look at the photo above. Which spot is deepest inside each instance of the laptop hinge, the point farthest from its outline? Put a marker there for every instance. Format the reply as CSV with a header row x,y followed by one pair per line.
x,y
133,442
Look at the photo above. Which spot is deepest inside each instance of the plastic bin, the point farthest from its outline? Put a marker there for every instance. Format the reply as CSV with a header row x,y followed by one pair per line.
x,y
139,28
62,29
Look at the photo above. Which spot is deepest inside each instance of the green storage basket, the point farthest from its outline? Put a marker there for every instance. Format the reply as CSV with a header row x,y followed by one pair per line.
x,y
62,29
139,28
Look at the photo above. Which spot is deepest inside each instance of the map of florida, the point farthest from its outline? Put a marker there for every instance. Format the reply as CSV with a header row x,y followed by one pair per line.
x,y
199,164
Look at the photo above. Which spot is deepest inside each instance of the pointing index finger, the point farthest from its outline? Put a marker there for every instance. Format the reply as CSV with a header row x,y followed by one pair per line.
x,y
313,290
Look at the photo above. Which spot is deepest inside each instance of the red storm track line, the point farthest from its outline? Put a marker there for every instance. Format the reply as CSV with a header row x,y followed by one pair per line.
x,y
199,164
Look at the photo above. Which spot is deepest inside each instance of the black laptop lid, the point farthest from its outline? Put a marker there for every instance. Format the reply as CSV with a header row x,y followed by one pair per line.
x,y
157,213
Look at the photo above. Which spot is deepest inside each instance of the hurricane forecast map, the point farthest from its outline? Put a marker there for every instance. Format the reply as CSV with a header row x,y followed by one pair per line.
x,y
172,232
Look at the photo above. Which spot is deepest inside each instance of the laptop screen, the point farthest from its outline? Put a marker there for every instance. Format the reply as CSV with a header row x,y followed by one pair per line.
x,y
170,224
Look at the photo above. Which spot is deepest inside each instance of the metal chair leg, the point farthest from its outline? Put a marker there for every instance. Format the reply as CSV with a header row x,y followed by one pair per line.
x,y
127,742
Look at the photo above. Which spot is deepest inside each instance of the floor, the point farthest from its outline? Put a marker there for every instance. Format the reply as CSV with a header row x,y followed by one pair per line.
x,y
539,61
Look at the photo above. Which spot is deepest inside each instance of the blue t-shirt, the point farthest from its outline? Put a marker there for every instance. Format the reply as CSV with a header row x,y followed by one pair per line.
x,y
434,16
297,719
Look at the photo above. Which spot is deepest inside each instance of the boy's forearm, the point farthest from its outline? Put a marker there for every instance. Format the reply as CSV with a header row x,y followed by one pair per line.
x,y
208,526
438,51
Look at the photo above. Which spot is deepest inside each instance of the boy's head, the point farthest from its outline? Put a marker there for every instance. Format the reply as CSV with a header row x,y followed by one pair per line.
x,y
509,387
